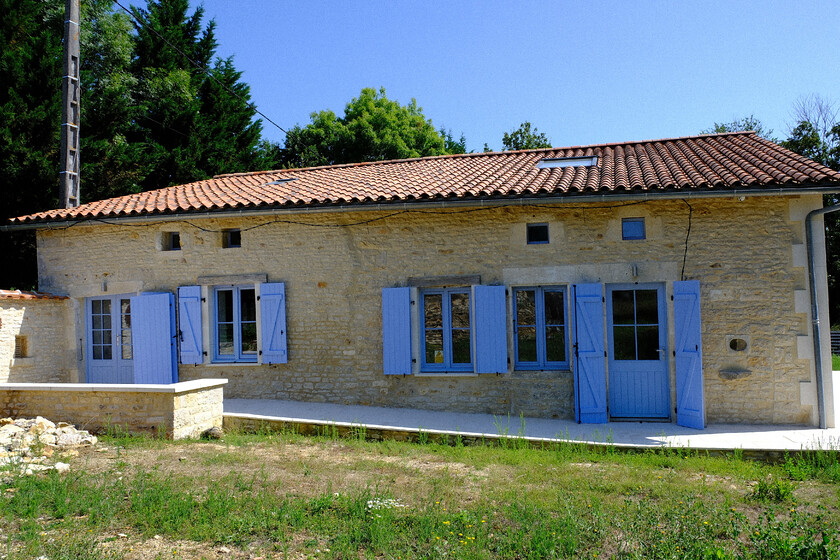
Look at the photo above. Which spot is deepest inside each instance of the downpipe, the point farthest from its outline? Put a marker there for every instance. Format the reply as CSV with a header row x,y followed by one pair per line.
x,y
815,316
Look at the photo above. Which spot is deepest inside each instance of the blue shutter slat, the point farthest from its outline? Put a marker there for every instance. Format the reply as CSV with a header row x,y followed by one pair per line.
x,y
590,365
273,323
396,331
689,354
490,316
153,338
189,320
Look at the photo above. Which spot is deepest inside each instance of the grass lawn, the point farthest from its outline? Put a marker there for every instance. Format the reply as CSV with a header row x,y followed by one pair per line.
x,y
288,496
835,362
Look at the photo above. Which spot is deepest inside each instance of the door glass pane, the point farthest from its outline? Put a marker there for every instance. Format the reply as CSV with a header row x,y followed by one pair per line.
x,y
622,307
97,320
460,311
97,352
224,302
461,346
125,329
554,314
526,307
96,306
433,310
106,352
248,304
624,343
555,344
249,338
225,339
526,344
647,307
434,346
648,342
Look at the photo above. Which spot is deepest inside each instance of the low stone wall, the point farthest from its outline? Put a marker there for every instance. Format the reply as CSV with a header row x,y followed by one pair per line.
x,y
180,410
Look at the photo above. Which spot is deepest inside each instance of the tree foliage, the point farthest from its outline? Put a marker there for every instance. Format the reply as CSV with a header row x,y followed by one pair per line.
x,y
742,124
156,108
525,138
373,128
816,135
31,66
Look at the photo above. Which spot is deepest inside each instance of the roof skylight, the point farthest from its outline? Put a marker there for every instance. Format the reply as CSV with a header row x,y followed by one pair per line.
x,y
550,163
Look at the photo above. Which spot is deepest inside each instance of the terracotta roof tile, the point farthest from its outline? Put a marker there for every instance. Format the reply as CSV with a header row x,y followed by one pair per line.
x,y
714,162
17,294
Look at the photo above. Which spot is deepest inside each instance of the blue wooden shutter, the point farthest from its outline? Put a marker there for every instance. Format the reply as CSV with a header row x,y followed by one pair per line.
x,y
590,363
153,338
490,318
189,325
396,331
273,323
689,354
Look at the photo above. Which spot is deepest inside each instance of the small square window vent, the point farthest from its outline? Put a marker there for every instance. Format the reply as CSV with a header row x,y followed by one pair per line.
x,y
633,228
537,234
231,238
21,347
550,163
170,241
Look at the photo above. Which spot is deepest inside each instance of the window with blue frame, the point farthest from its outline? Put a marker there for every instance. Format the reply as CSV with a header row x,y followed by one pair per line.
x,y
235,324
540,328
446,330
633,229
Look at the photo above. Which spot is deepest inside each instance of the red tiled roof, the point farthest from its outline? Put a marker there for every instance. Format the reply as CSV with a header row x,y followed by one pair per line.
x,y
17,294
715,162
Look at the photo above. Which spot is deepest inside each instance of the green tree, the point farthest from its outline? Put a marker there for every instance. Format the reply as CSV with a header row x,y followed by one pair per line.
x,y
524,138
743,124
189,123
30,114
816,135
373,128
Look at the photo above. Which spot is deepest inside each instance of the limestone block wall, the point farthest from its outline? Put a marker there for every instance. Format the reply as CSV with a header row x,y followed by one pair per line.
x,y
745,253
179,410
40,327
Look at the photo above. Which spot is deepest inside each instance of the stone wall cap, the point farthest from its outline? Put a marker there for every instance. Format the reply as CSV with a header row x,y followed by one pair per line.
x,y
181,387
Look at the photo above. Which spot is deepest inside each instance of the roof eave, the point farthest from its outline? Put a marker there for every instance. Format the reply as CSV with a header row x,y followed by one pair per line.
x,y
426,203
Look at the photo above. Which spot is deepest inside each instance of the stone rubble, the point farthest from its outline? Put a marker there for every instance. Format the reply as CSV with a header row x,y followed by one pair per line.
x,y
27,443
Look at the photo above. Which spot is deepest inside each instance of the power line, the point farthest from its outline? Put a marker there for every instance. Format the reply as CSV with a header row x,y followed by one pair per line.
x,y
206,71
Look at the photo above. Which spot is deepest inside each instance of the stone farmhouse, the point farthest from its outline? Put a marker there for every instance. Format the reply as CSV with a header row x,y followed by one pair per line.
x,y
666,280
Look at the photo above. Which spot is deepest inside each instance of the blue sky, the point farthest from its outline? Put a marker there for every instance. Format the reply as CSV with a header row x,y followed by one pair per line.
x,y
582,72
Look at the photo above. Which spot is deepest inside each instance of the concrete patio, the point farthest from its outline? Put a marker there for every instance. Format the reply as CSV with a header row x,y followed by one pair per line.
x,y
760,441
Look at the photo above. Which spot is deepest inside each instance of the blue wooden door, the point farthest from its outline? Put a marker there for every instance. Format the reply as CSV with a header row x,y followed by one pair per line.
x,y
109,345
590,371
688,355
637,357
155,358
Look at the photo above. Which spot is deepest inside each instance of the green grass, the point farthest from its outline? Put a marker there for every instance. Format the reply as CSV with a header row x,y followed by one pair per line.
x,y
835,362
323,497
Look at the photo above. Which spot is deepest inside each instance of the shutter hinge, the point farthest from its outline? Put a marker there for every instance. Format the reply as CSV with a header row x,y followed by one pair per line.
x,y
675,353
203,300
260,352
603,299
605,353
204,353
672,297
258,298
412,302
413,360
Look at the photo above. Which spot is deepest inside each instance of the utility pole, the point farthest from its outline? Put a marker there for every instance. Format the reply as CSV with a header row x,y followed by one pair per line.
x,y
69,190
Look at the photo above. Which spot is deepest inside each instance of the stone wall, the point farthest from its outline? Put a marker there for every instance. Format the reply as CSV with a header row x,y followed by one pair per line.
x,y
41,327
747,255
179,410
